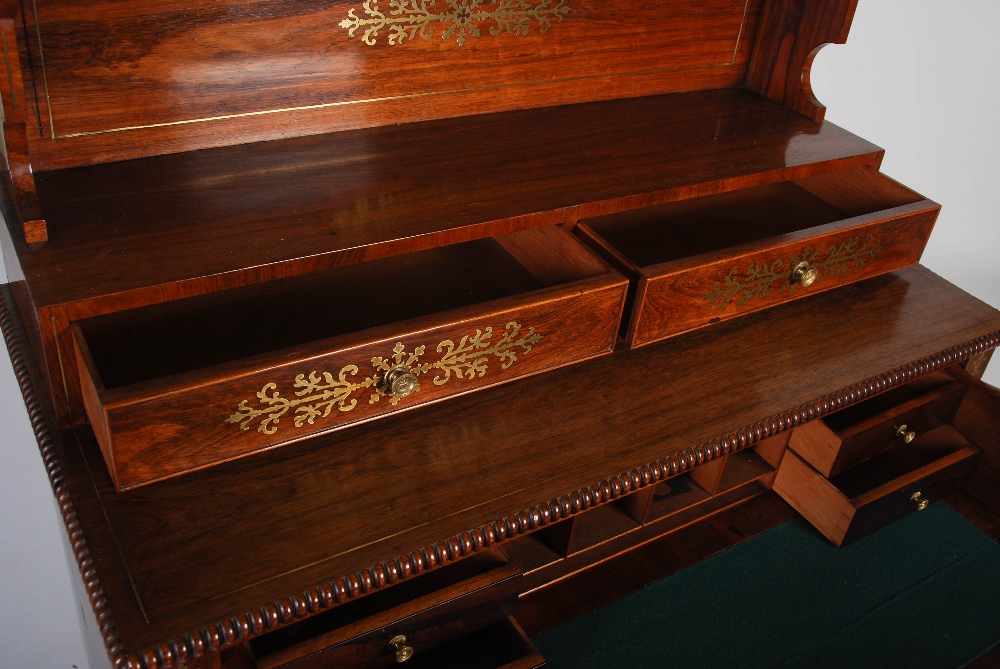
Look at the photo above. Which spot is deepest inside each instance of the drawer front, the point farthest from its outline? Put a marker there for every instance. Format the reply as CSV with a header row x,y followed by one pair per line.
x,y
843,513
832,451
678,296
153,432
410,638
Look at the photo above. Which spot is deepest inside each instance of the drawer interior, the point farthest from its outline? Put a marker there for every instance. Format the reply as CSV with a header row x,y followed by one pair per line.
x,y
702,225
901,462
142,344
854,417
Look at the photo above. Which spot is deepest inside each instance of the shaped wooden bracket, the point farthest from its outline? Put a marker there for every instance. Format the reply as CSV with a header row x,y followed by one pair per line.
x,y
21,180
791,34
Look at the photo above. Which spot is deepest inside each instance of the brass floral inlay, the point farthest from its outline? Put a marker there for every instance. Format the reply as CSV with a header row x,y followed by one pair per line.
x,y
761,279
318,394
408,19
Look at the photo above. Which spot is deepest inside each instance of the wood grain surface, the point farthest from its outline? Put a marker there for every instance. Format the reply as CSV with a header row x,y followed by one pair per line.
x,y
175,573
117,80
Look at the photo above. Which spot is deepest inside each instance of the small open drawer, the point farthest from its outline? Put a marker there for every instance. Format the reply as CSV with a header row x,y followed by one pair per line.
x,y
860,432
698,261
180,386
401,624
879,475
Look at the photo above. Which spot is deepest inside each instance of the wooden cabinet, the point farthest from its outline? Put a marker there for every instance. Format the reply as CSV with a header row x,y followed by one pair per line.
x,y
351,338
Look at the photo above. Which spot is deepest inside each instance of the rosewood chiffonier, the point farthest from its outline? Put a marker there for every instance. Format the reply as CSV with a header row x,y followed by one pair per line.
x,y
365,332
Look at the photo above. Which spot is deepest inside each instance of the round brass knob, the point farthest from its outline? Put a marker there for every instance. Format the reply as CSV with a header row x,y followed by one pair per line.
x,y
398,645
918,498
804,275
907,437
400,382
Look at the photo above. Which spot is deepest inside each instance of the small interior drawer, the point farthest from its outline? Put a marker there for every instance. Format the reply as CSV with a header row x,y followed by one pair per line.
x,y
879,491
402,624
179,386
698,261
860,432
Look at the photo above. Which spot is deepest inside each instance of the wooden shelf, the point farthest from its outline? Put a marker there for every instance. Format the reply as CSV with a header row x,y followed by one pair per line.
x,y
146,230
170,547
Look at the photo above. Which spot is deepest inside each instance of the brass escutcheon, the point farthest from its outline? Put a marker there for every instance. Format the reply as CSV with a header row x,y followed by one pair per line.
x,y
398,645
804,275
921,503
400,382
907,437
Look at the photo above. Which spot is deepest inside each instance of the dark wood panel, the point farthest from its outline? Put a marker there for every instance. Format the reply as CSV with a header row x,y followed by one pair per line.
x,y
184,224
121,80
179,539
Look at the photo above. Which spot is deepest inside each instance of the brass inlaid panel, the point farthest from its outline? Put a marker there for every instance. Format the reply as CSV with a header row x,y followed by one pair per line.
x,y
408,19
319,393
760,280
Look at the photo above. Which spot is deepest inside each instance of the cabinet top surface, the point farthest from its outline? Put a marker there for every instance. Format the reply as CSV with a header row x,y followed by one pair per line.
x,y
180,554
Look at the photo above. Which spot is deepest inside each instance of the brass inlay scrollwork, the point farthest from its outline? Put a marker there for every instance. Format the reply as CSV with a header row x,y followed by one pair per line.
x,y
408,19
761,279
318,394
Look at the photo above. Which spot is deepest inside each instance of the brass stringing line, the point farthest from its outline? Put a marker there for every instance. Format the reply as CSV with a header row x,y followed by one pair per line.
x,y
408,96
739,35
317,395
107,520
45,78
10,74
62,370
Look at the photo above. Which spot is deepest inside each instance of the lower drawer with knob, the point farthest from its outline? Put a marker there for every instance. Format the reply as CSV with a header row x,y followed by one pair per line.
x,y
698,261
404,623
861,468
176,387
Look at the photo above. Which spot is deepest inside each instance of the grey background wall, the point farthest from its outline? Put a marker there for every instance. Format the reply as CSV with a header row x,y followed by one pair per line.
x,y
919,77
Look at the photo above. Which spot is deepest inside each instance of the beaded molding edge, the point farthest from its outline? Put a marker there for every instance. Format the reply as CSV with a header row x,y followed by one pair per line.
x,y
231,631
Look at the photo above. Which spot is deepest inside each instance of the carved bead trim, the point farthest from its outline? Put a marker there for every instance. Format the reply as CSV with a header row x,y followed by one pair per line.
x,y
269,617
36,415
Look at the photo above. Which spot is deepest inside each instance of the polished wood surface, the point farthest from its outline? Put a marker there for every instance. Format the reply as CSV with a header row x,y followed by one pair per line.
x,y
134,233
18,177
173,574
699,261
171,389
861,432
114,81
203,197
791,34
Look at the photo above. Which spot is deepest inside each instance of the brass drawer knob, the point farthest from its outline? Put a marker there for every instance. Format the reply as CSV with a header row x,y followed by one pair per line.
x,y
400,382
398,645
907,437
918,498
804,275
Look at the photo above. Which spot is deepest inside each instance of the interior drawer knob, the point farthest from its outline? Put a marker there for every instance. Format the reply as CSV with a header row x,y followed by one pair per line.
x,y
804,275
906,436
398,645
400,382
918,498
